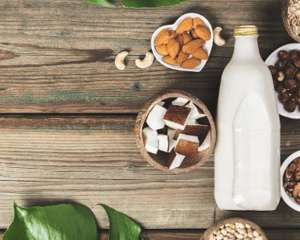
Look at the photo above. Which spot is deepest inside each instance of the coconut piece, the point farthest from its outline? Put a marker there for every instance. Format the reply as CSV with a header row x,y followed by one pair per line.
x,y
206,143
195,112
172,141
161,103
163,142
155,117
180,101
163,130
176,116
187,145
150,138
194,130
174,160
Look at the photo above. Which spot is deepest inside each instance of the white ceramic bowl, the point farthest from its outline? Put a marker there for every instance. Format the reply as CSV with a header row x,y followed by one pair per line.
x,y
288,200
207,47
271,60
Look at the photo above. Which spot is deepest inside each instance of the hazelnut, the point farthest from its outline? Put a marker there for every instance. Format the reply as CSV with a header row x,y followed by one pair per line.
x,y
296,97
279,76
280,65
283,96
273,70
284,55
297,63
289,63
297,76
279,88
289,83
289,71
296,190
290,105
292,167
298,200
294,55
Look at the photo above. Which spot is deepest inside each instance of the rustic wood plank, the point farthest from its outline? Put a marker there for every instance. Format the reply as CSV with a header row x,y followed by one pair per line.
x,y
272,234
91,160
57,56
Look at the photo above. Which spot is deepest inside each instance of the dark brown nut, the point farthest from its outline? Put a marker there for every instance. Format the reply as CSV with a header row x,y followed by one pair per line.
x,y
294,54
292,167
297,176
273,70
290,105
296,97
279,88
275,83
279,76
288,174
289,71
284,55
288,64
297,76
289,83
284,96
280,65
297,63
298,200
296,190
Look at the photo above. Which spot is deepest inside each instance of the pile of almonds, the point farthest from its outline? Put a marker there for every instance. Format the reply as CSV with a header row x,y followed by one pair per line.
x,y
291,181
189,39
286,79
235,231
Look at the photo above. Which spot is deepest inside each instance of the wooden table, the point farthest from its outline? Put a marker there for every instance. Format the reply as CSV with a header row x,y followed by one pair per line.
x,y
67,114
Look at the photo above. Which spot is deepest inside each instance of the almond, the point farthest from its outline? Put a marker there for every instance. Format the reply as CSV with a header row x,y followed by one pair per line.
x,y
170,60
191,63
182,57
162,49
185,25
179,38
192,46
186,37
162,37
173,47
203,33
197,21
200,54
171,35
194,34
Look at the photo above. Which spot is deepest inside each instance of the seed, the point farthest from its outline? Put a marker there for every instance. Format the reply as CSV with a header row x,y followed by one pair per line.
x,y
220,236
224,231
229,229
247,226
240,236
242,225
225,238
250,234
256,233
241,231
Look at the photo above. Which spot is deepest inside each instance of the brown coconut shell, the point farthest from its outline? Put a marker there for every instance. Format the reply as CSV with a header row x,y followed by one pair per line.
x,y
159,160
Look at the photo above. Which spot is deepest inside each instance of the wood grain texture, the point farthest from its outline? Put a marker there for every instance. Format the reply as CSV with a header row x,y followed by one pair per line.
x,y
57,56
272,234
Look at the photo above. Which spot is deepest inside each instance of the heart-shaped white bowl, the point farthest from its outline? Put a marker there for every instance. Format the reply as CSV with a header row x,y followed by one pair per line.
x,y
207,47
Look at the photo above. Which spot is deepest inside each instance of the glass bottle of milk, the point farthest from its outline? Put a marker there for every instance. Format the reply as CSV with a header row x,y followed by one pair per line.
x,y
247,153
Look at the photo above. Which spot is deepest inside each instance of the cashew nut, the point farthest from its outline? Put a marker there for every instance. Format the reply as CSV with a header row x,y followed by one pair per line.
x,y
119,60
147,62
217,38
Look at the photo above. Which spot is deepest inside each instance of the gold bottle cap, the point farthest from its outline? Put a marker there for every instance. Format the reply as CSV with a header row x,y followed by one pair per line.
x,y
246,30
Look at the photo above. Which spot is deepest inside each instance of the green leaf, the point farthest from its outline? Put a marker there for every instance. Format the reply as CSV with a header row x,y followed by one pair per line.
x,y
150,3
120,226
104,3
59,222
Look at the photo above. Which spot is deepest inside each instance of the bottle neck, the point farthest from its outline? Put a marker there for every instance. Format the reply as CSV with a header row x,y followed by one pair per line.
x,y
246,48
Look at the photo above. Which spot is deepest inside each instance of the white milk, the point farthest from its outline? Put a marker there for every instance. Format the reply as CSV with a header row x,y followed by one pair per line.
x,y
247,153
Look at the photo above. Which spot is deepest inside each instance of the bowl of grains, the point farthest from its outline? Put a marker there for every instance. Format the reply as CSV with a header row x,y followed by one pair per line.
x,y
291,18
234,228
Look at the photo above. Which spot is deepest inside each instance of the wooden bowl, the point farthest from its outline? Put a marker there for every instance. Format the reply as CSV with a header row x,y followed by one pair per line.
x,y
159,160
217,225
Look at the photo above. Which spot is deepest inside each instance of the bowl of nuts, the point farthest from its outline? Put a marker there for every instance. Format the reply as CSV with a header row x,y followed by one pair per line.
x,y
234,228
284,65
184,45
290,181
175,131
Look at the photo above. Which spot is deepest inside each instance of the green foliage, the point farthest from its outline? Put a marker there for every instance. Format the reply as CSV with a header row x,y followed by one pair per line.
x,y
100,2
140,3
59,222
121,227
